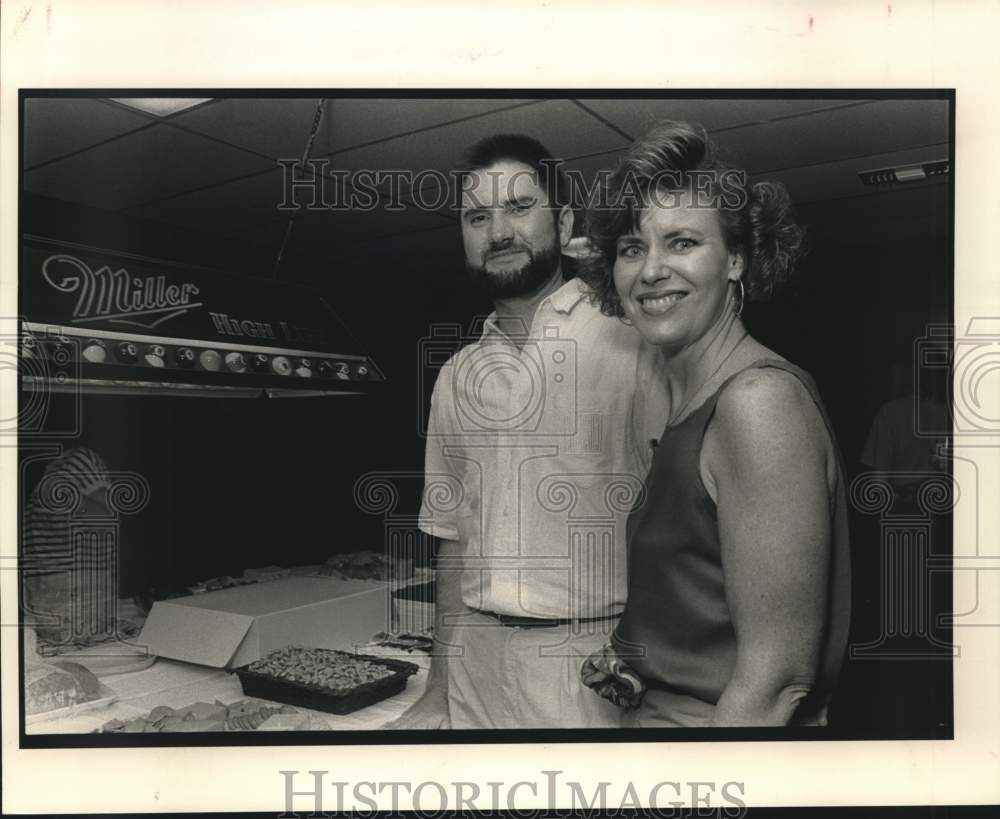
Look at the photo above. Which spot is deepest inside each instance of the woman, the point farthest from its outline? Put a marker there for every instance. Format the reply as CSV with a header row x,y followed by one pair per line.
x,y
738,601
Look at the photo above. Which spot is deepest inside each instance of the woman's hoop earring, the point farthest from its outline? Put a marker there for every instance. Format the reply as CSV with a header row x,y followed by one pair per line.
x,y
738,309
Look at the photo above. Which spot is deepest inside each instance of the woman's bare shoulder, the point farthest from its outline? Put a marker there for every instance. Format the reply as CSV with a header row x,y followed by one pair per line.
x,y
769,413
767,430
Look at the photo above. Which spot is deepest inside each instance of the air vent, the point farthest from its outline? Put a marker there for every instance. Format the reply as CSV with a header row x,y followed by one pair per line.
x,y
884,177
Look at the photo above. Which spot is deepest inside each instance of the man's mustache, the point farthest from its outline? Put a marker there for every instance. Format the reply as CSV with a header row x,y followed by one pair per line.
x,y
504,247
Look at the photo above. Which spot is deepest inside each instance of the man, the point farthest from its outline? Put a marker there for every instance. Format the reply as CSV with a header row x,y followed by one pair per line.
x,y
529,439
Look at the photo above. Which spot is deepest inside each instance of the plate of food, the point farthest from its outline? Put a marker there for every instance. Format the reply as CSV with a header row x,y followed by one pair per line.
x,y
59,689
367,565
199,717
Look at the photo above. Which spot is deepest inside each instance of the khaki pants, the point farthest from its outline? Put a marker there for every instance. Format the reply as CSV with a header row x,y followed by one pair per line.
x,y
513,677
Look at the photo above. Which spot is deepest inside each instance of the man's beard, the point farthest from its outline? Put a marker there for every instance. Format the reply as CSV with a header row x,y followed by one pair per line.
x,y
524,281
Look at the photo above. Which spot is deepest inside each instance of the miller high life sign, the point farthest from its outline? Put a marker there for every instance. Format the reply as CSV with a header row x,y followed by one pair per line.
x,y
116,296
69,285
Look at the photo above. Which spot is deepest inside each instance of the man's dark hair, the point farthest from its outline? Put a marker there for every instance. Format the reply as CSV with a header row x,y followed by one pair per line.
x,y
527,151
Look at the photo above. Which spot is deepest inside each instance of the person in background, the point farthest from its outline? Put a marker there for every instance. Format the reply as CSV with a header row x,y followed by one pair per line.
x,y
893,445
62,579
529,426
738,580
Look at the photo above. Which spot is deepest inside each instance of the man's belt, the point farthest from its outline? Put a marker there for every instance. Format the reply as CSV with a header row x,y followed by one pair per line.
x,y
515,621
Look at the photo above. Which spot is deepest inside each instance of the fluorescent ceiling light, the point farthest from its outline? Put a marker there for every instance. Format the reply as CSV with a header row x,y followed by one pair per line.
x,y
161,106
905,173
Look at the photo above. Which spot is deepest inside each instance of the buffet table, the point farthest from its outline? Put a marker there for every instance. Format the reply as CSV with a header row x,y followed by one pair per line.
x,y
178,684
306,604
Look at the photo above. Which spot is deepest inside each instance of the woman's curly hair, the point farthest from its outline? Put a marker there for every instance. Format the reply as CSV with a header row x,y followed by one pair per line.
x,y
756,219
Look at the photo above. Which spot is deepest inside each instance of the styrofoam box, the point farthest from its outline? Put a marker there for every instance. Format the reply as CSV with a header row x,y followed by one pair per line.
x,y
232,627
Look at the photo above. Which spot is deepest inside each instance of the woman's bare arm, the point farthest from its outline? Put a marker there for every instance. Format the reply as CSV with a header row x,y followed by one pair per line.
x,y
768,458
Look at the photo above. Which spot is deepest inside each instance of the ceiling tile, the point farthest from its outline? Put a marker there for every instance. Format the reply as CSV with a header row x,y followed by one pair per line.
x,y
56,127
148,165
354,122
635,116
564,128
825,136
276,128
280,128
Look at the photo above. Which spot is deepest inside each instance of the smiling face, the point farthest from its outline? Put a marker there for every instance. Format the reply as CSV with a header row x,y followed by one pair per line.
x,y
512,239
673,274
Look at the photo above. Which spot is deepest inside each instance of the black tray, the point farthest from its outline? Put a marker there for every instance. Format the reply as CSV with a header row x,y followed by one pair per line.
x,y
320,698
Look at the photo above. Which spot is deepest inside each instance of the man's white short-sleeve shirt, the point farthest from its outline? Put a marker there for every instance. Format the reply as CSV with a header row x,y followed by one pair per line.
x,y
532,463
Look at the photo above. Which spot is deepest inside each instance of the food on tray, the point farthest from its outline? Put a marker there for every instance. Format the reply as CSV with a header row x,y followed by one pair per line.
x,y
266,573
422,640
298,721
251,722
367,565
57,684
217,583
201,716
325,668
228,582
325,679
